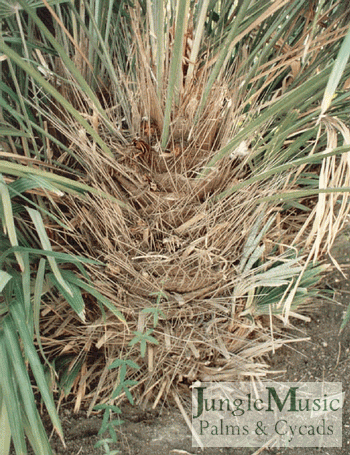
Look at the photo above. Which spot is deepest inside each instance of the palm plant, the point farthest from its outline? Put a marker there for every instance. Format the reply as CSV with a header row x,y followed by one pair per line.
x,y
197,150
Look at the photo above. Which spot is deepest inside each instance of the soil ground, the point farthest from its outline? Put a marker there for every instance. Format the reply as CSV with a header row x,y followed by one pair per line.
x,y
325,357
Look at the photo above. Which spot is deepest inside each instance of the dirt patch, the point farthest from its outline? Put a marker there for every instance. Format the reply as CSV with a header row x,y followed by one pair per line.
x,y
326,357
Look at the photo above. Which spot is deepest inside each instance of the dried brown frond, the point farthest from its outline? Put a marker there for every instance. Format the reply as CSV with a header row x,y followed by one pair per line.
x,y
176,236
